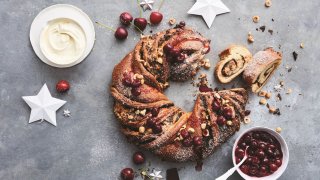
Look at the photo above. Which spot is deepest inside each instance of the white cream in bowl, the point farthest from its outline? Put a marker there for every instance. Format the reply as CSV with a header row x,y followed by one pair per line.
x,y
63,41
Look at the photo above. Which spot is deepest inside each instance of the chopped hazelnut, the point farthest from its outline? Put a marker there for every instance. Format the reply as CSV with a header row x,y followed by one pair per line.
x,y
143,112
137,111
149,130
278,129
130,117
268,95
250,38
267,3
289,91
263,101
217,95
207,65
172,21
301,45
142,129
203,126
229,123
247,120
272,109
160,60
142,81
262,93
255,19
282,83
191,130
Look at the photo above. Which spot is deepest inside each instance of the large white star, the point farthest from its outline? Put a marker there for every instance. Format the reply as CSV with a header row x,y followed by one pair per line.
x,y
43,106
146,4
208,9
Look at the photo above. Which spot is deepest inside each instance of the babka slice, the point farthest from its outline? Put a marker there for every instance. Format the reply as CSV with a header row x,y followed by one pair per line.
x,y
233,61
261,68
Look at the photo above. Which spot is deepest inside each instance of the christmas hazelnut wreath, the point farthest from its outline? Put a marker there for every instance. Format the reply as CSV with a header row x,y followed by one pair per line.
x,y
150,120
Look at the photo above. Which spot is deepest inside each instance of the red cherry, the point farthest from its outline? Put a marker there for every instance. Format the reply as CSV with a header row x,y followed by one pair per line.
x,y
244,169
260,154
197,140
204,88
181,24
216,105
167,48
141,23
227,112
127,174
184,133
156,17
126,18
121,33
263,171
254,144
278,162
155,112
255,161
187,142
221,120
63,86
240,153
151,123
273,167
135,91
157,128
175,53
138,157
253,170
181,57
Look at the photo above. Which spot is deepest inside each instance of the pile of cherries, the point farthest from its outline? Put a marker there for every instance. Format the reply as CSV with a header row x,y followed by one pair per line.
x,y
140,23
224,112
129,80
264,154
128,173
153,123
188,141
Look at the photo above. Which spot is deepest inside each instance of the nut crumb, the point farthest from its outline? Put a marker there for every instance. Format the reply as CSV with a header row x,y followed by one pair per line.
x,y
130,117
172,21
267,3
263,101
268,95
191,130
247,120
255,19
250,38
207,65
229,123
272,109
289,91
278,129
203,126
142,129
262,93
301,45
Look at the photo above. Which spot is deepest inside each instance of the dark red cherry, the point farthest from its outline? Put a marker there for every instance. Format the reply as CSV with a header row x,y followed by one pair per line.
x,y
273,167
260,154
151,122
249,160
270,152
135,91
204,88
253,170
238,160
141,23
240,153
265,161
156,17
167,49
181,24
184,133
175,53
262,145
243,145
157,128
256,135
263,171
278,162
247,138
187,142
181,57
227,112
271,146
244,169
127,174
221,120
126,18
254,144
138,157
216,105
255,160
155,112
197,140
121,33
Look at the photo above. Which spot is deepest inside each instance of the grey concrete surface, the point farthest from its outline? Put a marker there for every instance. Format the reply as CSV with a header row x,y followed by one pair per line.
x,y
88,145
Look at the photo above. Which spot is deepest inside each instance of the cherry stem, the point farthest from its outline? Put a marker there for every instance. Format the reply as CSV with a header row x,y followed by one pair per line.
x,y
162,1
136,27
105,26
140,8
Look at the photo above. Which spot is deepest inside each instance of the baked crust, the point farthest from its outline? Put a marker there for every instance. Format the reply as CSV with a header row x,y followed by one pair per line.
x,y
135,111
261,68
233,61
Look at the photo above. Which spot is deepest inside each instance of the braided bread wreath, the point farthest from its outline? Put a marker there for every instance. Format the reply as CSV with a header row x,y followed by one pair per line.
x,y
150,120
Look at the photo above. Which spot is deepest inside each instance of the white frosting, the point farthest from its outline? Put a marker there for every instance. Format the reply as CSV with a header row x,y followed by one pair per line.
x,y
63,41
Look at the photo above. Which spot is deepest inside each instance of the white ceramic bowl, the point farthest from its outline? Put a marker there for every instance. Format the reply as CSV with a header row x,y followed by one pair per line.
x,y
284,149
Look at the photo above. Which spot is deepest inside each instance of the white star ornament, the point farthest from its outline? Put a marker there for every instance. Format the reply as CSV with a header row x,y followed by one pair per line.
x,y
146,4
208,9
43,106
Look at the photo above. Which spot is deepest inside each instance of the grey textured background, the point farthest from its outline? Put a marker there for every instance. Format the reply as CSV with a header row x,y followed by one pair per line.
x,y
88,145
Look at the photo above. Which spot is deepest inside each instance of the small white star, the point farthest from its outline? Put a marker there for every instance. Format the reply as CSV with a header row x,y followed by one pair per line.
x,y
66,113
208,9
146,4
43,106
156,175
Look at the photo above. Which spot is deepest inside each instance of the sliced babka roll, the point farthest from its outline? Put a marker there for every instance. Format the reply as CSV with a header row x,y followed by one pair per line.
x,y
261,68
233,61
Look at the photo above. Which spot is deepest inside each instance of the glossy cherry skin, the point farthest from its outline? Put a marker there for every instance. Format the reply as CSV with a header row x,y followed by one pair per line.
x,y
197,140
221,120
121,33
141,23
227,112
216,105
135,91
127,174
62,86
204,88
155,112
138,158
273,167
184,133
157,128
167,49
187,142
126,18
156,17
